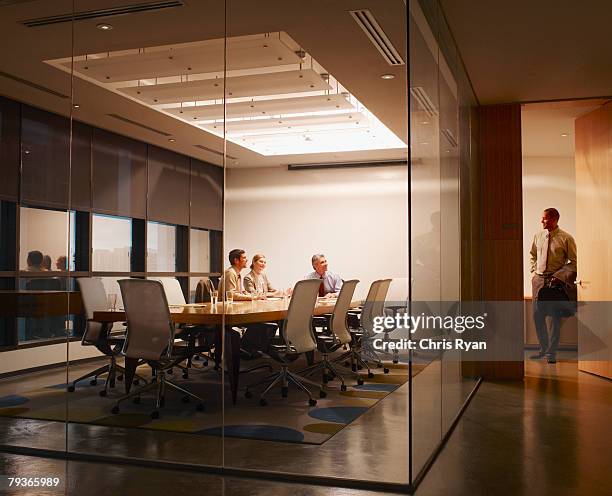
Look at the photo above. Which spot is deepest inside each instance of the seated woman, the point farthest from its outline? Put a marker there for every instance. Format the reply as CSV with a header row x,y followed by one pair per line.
x,y
257,280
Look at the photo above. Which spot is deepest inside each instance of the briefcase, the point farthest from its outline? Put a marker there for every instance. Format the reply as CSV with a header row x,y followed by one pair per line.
x,y
554,300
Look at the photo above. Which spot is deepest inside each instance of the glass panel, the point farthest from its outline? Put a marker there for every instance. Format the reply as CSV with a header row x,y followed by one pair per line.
x,y
322,98
161,247
111,243
199,250
35,227
44,240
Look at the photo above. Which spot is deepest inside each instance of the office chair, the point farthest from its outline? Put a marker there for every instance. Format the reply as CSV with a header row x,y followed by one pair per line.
x,y
94,299
298,339
151,338
339,335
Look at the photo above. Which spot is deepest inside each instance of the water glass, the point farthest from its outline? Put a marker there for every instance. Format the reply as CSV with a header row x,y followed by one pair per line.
x,y
214,297
229,297
112,301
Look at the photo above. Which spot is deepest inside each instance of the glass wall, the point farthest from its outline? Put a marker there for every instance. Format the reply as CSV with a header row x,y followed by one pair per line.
x,y
160,141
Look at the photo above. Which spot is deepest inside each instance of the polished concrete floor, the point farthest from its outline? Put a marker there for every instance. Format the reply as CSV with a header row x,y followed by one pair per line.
x,y
549,435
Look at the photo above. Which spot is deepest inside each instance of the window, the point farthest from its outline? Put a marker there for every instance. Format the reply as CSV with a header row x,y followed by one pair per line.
x,y
199,258
44,244
112,243
161,247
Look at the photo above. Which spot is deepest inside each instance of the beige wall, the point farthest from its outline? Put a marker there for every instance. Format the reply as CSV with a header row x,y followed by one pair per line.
x,y
357,217
547,182
44,355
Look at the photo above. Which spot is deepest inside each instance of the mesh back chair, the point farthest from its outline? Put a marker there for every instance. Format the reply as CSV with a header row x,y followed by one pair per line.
x,y
150,338
298,339
190,334
96,334
339,336
203,290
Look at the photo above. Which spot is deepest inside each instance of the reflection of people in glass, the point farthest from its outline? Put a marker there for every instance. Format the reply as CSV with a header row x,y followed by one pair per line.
x,y
35,261
330,283
46,263
553,265
426,262
232,280
62,263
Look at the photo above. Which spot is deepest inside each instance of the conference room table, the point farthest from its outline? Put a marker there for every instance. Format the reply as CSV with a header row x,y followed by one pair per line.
x,y
222,316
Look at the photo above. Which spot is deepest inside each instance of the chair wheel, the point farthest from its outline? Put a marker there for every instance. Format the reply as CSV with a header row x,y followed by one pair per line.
x,y
312,402
284,392
325,378
263,402
119,378
205,363
386,370
354,368
395,360
162,402
136,382
155,414
185,399
196,358
343,387
322,394
200,407
248,394
185,375
137,400
103,393
170,371
115,410
370,375
71,389
93,382
378,365
360,382
359,367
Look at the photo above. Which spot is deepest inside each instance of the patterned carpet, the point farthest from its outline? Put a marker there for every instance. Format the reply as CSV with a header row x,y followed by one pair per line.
x,y
283,419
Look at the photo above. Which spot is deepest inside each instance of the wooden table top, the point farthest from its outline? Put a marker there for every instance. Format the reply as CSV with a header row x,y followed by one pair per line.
x,y
238,312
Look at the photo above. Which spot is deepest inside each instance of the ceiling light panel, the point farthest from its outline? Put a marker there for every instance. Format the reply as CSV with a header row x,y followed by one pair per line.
x,y
305,80
187,59
269,107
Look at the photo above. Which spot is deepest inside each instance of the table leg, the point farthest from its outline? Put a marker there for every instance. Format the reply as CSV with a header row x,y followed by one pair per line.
x,y
232,359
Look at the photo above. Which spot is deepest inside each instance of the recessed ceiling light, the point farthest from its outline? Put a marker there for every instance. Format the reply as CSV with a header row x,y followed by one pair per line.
x,y
425,122
76,105
104,27
171,140
387,76
565,135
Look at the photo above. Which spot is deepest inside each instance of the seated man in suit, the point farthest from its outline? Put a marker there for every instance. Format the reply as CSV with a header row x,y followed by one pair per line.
x,y
330,283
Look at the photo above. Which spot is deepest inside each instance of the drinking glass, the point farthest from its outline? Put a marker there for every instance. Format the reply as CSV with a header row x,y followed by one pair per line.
x,y
229,297
112,301
214,297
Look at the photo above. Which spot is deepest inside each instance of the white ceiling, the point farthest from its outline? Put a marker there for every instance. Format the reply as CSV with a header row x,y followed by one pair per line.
x,y
526,50
544,124
325,30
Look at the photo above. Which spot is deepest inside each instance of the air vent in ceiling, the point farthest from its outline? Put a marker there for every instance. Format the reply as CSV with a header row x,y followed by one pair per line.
x,y
372,29
134,123
347,165
33,85
202,147
96,14
421,96
450,137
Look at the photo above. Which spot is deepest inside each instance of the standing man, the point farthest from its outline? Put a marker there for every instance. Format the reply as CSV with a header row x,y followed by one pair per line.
x,y
553,265
330,283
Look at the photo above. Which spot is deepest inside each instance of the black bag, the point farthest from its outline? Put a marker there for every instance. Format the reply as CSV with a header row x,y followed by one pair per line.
x,y
553,299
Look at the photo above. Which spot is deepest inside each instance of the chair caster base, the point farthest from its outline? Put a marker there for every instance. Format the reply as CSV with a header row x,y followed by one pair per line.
x,y
312,402
115,410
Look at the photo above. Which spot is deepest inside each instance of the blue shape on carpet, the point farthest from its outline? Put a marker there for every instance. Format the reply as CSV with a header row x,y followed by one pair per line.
x,y
263,432
338,414
377,387
13,400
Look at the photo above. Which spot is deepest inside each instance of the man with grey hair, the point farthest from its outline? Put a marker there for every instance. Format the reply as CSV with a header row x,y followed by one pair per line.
x,y
330,282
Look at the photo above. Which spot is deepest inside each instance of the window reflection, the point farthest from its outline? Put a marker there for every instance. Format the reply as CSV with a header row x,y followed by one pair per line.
x,y
44,243
199,250
161,247
112,243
